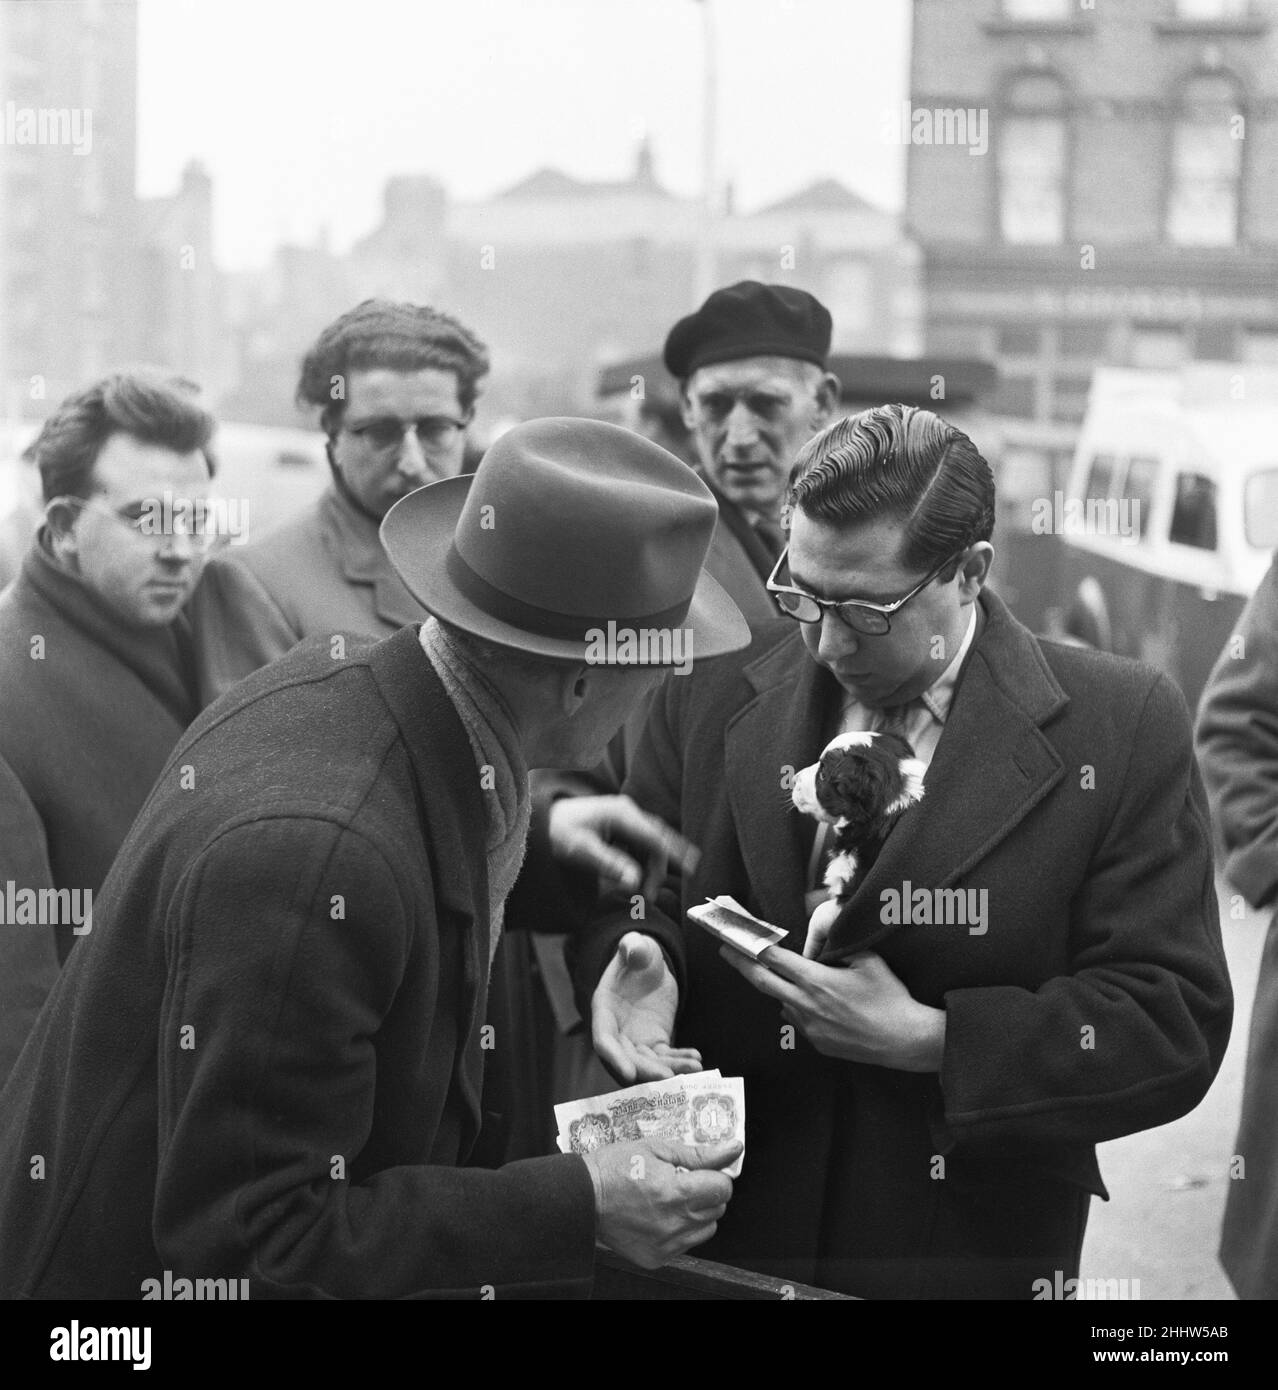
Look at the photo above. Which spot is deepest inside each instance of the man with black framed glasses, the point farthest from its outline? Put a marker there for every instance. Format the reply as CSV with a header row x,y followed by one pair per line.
x,y
1031,965
395,385
97,678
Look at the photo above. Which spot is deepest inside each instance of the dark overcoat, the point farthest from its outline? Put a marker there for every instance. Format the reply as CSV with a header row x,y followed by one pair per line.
x,y
1095,1003
265,1061
1238,749
89,712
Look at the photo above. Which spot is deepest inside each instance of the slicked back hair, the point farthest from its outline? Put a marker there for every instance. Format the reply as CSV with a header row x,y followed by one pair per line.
x,y
389,334
901,464
147,405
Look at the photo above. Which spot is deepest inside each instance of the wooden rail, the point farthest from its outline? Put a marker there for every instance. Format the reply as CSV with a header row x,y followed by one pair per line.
x,y
690,1278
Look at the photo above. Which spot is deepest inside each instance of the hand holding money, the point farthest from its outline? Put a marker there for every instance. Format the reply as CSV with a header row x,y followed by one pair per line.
x,y
657,1199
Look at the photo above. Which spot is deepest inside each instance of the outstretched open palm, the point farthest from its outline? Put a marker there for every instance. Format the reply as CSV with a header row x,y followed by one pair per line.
x,y
633,1015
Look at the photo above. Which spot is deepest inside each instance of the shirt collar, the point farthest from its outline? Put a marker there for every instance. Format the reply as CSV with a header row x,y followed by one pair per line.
x,y
936,699
939,696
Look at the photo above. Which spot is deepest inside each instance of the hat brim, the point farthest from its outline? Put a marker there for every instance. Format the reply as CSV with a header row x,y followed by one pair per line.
x,y
418,531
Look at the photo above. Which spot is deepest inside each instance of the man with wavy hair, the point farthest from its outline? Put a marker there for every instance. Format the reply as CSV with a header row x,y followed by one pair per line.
x,y
395,385
1032,964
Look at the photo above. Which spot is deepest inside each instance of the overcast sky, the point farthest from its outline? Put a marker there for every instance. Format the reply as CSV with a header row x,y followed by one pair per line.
x,y
302,108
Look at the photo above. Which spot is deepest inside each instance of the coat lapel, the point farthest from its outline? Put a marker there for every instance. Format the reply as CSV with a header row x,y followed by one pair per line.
x,y
783,726
364,561
991,767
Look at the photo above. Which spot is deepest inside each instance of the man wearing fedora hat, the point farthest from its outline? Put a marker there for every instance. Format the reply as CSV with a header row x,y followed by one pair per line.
x,y
265,1062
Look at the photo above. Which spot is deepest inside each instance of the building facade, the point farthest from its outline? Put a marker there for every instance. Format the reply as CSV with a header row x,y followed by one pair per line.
x,y
68,114
1092,182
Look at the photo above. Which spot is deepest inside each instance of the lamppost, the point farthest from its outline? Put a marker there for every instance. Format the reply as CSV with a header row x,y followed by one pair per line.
x,y
707,262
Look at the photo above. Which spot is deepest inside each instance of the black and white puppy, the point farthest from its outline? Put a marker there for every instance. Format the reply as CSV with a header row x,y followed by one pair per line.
x,y
862,785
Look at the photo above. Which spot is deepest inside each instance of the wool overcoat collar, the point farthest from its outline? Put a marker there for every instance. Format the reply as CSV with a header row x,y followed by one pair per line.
x,y
992,766
364,561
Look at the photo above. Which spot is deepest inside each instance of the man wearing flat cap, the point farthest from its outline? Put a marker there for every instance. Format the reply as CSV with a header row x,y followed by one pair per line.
x,y
753,388
265,1062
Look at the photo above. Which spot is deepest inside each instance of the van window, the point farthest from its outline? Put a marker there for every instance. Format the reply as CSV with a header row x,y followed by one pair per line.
x,y
1194,515
1100,477
1260,509
1142,478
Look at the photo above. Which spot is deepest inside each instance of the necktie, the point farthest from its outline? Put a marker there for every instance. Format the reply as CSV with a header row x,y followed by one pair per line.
x,y
897,719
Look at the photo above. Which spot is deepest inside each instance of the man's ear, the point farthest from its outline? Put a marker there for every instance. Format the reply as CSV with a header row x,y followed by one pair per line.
x,y
61,515
828,391
572,685
685,408
974,571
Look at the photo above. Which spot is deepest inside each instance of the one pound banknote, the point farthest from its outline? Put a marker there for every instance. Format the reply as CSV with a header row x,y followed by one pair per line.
x,y
725,918
703,1107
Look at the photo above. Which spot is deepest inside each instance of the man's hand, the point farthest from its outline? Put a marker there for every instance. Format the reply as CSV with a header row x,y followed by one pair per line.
x,y
859,1011
656,1199
611,836
633,1013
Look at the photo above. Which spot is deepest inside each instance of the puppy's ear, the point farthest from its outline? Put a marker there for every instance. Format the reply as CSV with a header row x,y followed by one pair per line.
x,y
897,744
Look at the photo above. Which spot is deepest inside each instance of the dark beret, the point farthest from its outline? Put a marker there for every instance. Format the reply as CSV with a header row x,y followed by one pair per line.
x,y
749,320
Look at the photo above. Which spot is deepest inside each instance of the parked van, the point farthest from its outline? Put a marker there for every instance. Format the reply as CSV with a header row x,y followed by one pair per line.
x,y
1170,515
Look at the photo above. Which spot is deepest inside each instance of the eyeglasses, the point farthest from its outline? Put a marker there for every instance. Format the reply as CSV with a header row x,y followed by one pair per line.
x,y
434,432
148,521
869,619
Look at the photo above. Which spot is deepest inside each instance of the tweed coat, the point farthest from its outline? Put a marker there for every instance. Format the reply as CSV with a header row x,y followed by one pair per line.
x,y
265,1062
1095,1003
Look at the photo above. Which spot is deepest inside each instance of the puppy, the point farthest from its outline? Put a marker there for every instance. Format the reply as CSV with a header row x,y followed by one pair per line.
x,y
862,785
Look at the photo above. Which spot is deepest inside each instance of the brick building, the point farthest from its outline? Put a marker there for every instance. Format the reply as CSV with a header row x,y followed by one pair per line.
x,y
1124,209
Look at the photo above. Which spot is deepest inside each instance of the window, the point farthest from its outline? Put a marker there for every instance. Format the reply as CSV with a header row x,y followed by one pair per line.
x,y
1214,342
1260,509
1019,340
1084,339
1138,488
1194,513
1014,396
1211,9
1100,477
1031,162
1260,345
1158,347
1202,208
1038,9
1069,400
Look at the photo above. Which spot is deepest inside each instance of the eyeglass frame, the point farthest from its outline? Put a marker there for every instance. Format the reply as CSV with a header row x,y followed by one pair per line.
x,y
361,432
839,606
201,540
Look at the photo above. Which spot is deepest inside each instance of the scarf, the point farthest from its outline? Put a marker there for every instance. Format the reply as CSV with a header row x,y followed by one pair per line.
x,y
499,759
162,658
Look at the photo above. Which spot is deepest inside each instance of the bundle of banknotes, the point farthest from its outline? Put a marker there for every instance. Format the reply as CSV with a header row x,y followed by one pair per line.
x,y
700,1108
725,918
